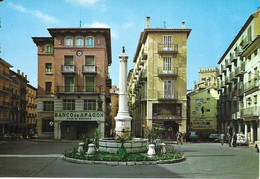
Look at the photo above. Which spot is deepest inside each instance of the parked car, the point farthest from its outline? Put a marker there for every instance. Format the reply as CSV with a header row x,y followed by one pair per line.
x,y
241,139
193,136
214,137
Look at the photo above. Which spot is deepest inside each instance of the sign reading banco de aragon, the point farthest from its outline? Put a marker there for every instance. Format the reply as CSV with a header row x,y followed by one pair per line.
x,y
78,116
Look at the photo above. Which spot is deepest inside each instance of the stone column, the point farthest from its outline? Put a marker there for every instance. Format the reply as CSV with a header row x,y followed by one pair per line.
x,y
101,126
239,127
57,130
123,119
246,133
258,132
252,132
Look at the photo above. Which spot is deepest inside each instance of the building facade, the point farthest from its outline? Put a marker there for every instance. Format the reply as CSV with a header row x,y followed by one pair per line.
x,y
238,81
158,82
5,97
202,111
31,108
73,81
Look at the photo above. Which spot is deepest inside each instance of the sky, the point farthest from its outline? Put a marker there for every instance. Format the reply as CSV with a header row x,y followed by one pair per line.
x,y
214,25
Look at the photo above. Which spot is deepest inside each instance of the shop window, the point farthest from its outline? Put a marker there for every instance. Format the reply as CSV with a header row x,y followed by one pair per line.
x,y
47,125
48,106
90,105
69,104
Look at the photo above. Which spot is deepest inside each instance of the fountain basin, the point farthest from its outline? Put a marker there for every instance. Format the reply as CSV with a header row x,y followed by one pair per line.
x,y
112,145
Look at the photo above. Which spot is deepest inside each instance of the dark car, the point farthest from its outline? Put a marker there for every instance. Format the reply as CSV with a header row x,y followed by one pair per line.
x,y
214,137
193,136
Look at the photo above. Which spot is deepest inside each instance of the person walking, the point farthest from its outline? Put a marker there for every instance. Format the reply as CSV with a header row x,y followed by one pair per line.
x,y
178,134
234,139
222,138
229,139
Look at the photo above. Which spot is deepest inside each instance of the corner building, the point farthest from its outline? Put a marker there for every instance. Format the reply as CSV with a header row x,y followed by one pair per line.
x,y
158,82
73,81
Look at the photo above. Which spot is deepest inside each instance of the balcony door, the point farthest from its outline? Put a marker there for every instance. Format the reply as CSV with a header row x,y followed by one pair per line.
x,y
69,63
90,84
89,64
167,42
168,88
167,64
69,84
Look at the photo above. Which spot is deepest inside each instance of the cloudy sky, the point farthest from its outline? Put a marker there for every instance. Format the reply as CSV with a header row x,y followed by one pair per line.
x,y
214,24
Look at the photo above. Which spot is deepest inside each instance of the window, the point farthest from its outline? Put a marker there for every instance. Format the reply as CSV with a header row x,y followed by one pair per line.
x,y
90,84
249,76
48,87
68,61
79,42
47,125
167,64
69,84
48,68
68,104
167,42
90,42
255,99
68,42
48,49
48,106
89,60
168,89
256,73
90,105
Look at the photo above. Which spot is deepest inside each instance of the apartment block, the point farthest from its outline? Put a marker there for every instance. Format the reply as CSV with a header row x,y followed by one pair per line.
x,y
73,81
158,82
239,82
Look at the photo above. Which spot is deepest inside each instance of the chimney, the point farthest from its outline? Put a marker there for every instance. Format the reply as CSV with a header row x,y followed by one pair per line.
x,y
26,77
148,22
183,24
22,73
18,71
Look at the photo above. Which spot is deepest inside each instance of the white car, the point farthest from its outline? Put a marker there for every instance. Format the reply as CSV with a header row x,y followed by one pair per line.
x,y
241,139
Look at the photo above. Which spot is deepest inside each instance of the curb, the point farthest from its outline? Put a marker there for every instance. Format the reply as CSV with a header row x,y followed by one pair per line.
x,y
128,163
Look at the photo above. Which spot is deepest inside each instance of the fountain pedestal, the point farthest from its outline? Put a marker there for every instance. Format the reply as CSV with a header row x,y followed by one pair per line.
x,y
123,119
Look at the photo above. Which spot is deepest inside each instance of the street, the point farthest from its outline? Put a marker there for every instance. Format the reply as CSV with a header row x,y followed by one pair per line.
x,y
203,160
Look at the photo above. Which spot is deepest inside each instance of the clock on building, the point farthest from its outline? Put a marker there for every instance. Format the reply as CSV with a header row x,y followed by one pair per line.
x,y
79,53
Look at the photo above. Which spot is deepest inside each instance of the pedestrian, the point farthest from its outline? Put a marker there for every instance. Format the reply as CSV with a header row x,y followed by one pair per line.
x,y
181,138
222,138
234,139
229,139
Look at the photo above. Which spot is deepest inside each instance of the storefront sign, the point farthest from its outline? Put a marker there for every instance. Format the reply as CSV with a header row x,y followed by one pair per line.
x,y
202,123
166,117
79,116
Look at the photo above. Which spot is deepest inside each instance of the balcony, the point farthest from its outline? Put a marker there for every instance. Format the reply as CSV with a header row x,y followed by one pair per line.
x,y
144,75
251,111
167,95
5,104
253,84
5,89
233,57
172,72
68,69
233,77
144,53
167,48
239,70
79,89
89,69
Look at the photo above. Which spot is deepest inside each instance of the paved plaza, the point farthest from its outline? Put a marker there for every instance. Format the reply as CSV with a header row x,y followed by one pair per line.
x,y
203,160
